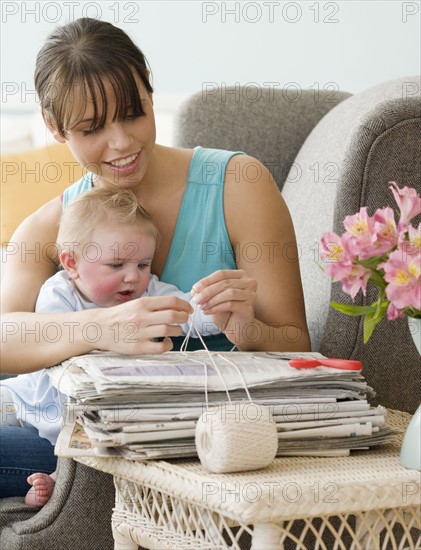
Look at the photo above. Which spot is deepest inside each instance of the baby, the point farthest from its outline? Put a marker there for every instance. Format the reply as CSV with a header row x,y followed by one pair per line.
x,y
106,242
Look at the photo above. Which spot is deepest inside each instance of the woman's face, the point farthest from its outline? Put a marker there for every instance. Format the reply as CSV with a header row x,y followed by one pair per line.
x,y
119,152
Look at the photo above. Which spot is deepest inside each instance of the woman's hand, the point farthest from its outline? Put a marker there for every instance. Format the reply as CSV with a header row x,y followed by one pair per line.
x,y
131,328
229,297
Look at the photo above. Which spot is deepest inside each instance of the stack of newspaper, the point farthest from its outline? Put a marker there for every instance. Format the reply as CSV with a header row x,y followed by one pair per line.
x,y
146,407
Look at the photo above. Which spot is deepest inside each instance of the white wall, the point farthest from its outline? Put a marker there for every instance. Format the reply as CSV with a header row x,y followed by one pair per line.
x,y
348,45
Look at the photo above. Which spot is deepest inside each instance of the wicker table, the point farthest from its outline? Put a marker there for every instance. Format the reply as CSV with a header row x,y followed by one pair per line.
x,y
365,501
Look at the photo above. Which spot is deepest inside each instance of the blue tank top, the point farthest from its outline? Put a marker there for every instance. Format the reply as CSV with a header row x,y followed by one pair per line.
x,y
200,243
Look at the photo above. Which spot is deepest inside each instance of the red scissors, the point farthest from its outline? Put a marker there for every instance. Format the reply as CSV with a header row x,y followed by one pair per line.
x,y
345,364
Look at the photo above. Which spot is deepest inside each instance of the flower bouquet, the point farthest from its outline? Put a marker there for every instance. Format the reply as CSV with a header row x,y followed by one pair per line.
x,y
375,249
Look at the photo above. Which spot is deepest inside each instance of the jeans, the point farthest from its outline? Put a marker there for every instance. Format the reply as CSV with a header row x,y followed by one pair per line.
x,y
22,453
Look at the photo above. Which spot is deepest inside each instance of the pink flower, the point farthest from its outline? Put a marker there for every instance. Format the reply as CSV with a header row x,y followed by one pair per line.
x,y
402,272
409,203
360,229
374,249
374,236
414,235
393,313
385,233
356,279
333,248
336,251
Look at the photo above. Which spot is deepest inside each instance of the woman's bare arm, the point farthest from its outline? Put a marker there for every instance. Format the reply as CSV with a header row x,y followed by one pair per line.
x,y
32,341
263,238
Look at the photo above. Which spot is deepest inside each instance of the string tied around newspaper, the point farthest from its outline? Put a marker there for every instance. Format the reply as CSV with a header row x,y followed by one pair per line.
x,y
232,436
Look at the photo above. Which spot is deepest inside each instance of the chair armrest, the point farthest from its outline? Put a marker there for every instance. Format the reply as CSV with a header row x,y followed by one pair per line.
x,y
81,493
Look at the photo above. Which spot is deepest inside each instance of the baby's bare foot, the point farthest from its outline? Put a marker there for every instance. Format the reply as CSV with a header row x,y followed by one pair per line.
x,y
41,491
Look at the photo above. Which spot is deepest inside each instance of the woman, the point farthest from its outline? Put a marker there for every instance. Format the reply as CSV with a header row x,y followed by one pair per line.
x,y
95,95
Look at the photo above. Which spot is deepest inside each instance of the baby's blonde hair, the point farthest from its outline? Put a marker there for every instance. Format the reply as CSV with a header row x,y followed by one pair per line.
x,y
94,207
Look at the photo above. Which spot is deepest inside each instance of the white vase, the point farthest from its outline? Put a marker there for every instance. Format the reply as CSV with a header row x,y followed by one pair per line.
x,y
415,330
411,445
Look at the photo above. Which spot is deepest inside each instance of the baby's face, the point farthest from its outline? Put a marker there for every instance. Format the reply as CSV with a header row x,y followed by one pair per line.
x,y
115,265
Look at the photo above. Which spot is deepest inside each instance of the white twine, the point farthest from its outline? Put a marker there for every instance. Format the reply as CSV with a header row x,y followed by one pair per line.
x,y
60,402
227,439
183,348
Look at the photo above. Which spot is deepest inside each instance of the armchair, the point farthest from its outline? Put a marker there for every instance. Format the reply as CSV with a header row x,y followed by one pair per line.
x,y
330,153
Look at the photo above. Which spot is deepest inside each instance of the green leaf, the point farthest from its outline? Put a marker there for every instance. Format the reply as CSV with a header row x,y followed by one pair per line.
x,y
371,320
354,310
410,311
372,262
377,279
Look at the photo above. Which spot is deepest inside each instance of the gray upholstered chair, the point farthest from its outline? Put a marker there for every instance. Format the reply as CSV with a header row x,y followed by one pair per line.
x,y
330,154
77,517
326,170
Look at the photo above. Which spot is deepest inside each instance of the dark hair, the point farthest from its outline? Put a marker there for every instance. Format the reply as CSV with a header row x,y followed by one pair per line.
x,y
76,57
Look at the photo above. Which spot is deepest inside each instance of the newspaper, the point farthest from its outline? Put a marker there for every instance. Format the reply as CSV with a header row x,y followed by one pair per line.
x,y
146,407
176,443
73,442
102,376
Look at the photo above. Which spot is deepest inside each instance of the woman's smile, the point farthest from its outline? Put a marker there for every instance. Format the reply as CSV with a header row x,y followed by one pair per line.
x,y
125,165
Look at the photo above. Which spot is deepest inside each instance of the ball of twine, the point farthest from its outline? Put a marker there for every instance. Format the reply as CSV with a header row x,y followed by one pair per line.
x,y
236,437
